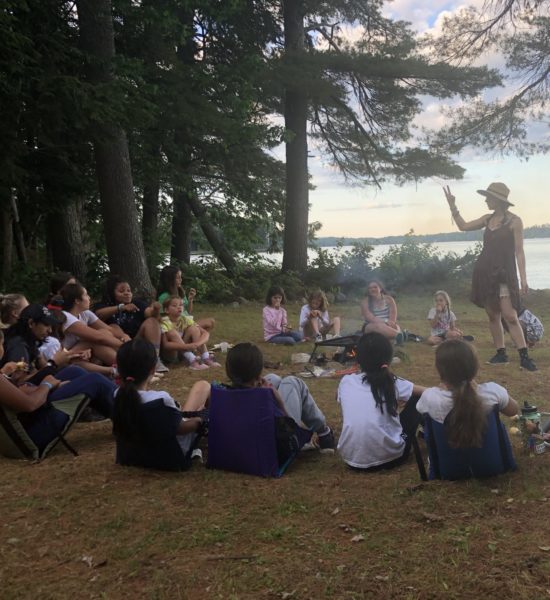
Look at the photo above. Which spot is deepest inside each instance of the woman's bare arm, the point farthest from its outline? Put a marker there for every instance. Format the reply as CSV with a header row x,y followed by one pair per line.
x,y
517,228
460,222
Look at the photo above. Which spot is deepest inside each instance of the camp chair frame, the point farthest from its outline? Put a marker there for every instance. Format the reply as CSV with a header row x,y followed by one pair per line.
x,y
15,442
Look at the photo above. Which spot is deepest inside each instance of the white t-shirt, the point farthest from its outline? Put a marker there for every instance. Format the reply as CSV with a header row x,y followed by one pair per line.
x,y
49,347
444,323
323,320
438,402
87,317
369,437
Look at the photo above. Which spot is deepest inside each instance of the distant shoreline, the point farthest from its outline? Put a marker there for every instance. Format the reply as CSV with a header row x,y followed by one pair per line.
x,y
538,231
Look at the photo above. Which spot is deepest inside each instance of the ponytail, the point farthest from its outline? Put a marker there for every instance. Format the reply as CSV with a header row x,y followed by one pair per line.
x,y
374,354
126,412
457,365
465,424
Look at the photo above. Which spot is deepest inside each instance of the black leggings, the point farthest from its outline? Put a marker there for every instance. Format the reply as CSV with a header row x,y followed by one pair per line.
x,y
410,419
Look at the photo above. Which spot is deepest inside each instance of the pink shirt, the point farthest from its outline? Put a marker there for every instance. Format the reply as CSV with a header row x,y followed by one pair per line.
x,y
274,321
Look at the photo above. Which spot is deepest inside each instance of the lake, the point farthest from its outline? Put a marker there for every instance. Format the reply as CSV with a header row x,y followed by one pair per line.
x,y
537,257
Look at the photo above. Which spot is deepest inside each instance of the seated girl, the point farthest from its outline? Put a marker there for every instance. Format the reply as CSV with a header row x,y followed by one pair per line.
x,y
11,306
23,340
130,316
458,400
314,320
170,281
83,330
51,383
275,319
136,361
374,435
244,366
443,321
380,313
182,337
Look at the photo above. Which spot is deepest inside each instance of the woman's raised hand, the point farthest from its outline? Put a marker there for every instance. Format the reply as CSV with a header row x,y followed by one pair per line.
x,y
449,196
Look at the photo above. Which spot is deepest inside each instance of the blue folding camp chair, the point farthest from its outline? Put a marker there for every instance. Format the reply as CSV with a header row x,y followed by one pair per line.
x,y
242,434
493,458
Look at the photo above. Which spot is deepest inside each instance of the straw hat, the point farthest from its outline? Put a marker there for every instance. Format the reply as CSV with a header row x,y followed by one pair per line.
x,y
497,190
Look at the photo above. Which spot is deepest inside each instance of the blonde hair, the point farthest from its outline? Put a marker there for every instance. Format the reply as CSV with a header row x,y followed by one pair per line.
x,y
445,296
8,304
319,295
166,303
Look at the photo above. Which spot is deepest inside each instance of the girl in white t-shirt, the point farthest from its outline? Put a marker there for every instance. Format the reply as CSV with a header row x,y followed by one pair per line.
x,y
458,400
374,436
136,362
83,331
314,320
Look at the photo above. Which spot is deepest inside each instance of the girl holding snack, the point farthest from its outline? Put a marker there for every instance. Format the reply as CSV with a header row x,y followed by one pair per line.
x,y
314,319
443,320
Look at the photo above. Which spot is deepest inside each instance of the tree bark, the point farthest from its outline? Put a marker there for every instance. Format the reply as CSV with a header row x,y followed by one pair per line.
x,y
67,243
212,234
7,244
181,229
295,113
18,236
150,220
124,240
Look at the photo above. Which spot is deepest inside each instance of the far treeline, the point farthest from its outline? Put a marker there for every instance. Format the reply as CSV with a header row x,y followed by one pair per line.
x,y
537,231
132,131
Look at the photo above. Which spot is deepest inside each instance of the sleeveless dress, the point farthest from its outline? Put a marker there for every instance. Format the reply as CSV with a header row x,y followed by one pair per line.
x,y
496,265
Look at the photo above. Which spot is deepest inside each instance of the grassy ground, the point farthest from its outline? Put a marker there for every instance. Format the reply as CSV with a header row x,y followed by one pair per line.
x,y
86,528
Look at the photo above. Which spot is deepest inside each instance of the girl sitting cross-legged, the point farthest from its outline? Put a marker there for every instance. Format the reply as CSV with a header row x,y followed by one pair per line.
x,y
275,319
182,337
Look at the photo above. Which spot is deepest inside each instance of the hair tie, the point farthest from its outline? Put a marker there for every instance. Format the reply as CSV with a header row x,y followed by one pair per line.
x,y
129,379
384,366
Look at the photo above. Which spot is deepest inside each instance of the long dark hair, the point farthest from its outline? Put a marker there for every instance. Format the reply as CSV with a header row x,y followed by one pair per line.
x,y
244,363
167,282
374,354
135,361
21,328
457,365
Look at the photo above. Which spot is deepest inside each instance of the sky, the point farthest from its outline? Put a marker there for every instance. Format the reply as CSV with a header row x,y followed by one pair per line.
x,y
346,211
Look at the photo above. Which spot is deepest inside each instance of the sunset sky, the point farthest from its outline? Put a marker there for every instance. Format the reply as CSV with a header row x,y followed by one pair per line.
x,y
361,211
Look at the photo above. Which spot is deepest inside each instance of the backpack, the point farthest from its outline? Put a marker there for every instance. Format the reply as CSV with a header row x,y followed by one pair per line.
x,y
531,325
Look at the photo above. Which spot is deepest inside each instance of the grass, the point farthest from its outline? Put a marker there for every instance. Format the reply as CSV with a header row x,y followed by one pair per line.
x,y
86,528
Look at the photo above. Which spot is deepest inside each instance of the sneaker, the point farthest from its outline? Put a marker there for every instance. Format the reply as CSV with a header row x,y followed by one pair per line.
x,y
211,362
197,454
197,366
527,363
326,442
318,338
161,367
468,338
498,359
399,339
329,336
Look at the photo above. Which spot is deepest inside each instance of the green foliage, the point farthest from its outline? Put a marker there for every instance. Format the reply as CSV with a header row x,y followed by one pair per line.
x,y
412,264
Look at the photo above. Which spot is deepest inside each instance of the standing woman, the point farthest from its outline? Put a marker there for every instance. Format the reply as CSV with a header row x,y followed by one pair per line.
x,y
495,278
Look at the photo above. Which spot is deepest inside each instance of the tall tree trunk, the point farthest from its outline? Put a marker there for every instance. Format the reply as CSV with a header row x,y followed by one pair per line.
x,y
17,231
295,112
67,243
123,235
181,229
7,244
212,234
150,220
